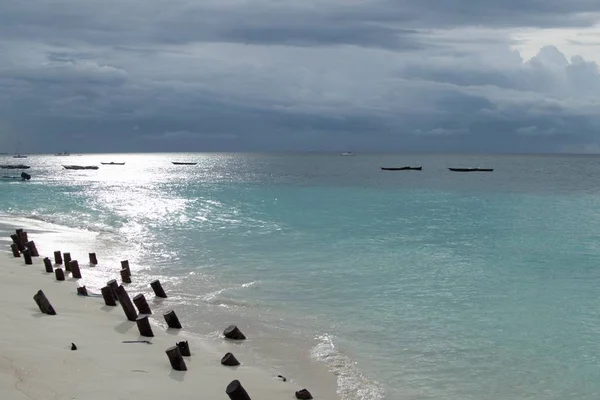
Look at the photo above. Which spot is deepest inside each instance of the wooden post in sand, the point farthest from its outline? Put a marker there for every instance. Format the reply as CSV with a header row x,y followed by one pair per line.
x,y
75,271
229,360
141,304
42,301
27,257
93,259
60,274
82,291
143,324
113,285
158,290
176,359
109,297
67,260
17,240
15,250
172,320
232,332
125,276
126,303
58,258
48,265
125,265
236,391
184,348
23,237
31,246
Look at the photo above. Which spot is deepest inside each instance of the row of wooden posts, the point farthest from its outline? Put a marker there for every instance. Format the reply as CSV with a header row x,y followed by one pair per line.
x,y
113,293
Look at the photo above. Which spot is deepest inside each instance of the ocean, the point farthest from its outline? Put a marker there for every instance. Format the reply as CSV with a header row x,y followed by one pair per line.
x,y
373,284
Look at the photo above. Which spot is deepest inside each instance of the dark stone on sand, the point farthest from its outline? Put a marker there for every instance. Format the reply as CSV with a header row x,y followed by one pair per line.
x,y
303,395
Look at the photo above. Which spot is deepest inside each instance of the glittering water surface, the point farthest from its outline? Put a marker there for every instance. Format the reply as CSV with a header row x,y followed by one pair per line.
x,y
407,285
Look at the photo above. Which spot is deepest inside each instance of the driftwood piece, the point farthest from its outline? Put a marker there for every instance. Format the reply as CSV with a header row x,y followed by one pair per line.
x,y
233,332
236,391
172,320
141,304
42,301
158,290
176,359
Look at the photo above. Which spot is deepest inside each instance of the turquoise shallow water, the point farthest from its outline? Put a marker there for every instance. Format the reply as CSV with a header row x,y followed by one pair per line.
x,y
406,285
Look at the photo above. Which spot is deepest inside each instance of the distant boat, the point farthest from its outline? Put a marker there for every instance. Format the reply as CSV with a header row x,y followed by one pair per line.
x,y
17,155
112,163
347,153
66,153
80,167
183,163
406,168
471,169
14,175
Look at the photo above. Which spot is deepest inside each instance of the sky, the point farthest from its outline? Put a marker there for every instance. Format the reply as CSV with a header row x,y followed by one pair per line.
x,y
313,75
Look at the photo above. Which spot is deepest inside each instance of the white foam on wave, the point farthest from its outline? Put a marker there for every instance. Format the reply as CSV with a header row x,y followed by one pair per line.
x,y
352,383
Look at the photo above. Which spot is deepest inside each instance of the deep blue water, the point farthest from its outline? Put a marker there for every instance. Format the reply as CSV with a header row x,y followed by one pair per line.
x,y
407,285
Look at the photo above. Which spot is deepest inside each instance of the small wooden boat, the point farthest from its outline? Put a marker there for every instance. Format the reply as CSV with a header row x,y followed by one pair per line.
x,y
406,168
112,163
347,153
183,163
471,169
18,166
80,167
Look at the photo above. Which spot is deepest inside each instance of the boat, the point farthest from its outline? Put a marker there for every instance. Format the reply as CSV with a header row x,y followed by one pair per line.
x,y
17,155
66,153
347,153
9,172
183,163
471,169
80,167
406,168
112,163
13,166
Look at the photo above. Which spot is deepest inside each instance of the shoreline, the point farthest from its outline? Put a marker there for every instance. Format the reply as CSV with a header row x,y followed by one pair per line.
x,y
36,357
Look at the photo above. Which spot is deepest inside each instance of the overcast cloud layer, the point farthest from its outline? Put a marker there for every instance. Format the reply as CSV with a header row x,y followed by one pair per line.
x,y
333,75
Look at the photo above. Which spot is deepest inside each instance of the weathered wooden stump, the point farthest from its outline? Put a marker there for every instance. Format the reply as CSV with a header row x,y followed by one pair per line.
x,y
17,240
27,257
141,304
15,250
113,285
75,271
236,391
158,290
229,360
67,260
60,274
109,297
126,303
303,394
18,231
184,348
82,291
31,246
48,265
232,332
125,276
143,324
172,320
93,259
23,237
176,359
125,265
58,258
42,301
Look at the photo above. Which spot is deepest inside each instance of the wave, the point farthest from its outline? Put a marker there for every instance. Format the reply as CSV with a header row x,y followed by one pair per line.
x,y
352,383
215,298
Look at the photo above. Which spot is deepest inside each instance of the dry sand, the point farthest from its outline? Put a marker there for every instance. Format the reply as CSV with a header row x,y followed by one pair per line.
x,y
36,360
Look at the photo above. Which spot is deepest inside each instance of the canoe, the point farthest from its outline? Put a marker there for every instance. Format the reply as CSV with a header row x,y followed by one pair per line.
x,y
112,163
407,168
183,163
471,169
80,167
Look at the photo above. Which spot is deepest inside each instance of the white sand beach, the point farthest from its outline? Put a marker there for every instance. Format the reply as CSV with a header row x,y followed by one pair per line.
x,y
36,360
